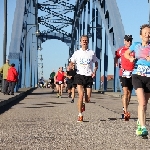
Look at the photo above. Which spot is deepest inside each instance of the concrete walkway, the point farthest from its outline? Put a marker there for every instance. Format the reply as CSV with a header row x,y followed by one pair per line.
x,y
43,122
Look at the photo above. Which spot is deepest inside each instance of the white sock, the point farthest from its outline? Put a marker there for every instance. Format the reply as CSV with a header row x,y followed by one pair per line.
x,y
143,127
80,114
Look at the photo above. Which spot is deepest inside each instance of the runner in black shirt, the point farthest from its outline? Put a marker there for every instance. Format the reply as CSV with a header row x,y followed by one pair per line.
x,y
70,82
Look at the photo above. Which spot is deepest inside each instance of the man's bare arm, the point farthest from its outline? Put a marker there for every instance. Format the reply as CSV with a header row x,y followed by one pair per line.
x,y
116,61
96,67
71,64
127,55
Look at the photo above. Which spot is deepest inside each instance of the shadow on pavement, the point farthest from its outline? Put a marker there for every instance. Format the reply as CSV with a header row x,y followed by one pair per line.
x,y
41,93
39,107
54,103
85,121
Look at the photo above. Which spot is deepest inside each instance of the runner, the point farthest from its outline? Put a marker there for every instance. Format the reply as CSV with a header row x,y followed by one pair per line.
x,y
70,82
66,79
57,85
125,71
52,75
141,75
59,81
84,59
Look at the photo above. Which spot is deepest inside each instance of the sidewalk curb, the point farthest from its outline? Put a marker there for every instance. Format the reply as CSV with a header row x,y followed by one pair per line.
x,y
16,98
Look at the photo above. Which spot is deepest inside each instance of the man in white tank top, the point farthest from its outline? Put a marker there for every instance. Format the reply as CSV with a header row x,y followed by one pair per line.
x,y
84,59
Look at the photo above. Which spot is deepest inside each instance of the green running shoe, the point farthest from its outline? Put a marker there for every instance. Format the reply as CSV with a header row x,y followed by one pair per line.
x,y
57,95
138,130
144,132
141,131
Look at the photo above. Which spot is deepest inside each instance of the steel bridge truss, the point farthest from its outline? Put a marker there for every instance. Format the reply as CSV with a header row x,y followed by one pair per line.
x,y
91,17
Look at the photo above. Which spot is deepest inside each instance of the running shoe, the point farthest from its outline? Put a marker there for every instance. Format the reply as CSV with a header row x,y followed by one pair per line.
x,y
80,119
138,130
72,101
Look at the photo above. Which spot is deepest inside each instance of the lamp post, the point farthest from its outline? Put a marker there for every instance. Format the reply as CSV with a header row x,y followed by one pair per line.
x,y
40,48
40,65
5,32
41,58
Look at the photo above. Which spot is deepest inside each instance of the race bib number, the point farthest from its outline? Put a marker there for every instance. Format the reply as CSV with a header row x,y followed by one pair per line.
x,y
84,65
127,74
60,82
143,70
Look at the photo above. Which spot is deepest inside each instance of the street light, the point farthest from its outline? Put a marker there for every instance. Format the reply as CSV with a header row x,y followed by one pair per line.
x,y
5,32
40,48
37,32
41,57
40,64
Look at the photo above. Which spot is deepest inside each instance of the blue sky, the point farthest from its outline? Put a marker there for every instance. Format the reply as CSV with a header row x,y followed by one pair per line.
x,y
55,53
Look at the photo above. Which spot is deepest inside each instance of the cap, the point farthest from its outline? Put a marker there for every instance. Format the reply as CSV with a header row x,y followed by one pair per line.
x,y
128,37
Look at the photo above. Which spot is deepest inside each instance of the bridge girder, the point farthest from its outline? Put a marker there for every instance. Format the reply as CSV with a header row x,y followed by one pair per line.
x,y
99,13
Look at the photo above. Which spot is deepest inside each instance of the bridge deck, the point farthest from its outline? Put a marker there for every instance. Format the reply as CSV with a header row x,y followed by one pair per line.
x,y
42,121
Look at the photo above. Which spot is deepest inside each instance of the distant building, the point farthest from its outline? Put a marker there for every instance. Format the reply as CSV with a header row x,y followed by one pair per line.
x,y
110,82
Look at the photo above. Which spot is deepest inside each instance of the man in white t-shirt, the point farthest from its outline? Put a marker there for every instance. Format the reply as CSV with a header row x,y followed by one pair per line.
x,y
84,59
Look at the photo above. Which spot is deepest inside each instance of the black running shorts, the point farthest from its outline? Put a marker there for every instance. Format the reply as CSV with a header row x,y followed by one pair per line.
x,y
71,85
141,82
126,82
86,81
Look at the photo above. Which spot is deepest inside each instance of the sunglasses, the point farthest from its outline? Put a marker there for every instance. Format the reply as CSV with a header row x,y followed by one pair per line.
x,y
129,40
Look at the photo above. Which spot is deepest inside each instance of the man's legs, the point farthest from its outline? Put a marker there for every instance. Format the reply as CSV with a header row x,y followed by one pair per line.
x,y
69,87
142,107
127,87
73,94
130,88
88,92
52,85
141,85
125,98
80,102
61,89
57,89
12,87
6,85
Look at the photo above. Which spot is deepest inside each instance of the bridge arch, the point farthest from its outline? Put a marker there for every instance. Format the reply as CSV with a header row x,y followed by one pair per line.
x,y
53,35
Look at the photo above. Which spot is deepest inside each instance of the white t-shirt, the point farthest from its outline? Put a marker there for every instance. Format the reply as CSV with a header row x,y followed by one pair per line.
x,y
84,60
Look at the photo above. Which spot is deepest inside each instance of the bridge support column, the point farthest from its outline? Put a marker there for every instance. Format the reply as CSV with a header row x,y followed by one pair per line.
x,y
93,25
105,62
88,19
116,70
98,49
84,16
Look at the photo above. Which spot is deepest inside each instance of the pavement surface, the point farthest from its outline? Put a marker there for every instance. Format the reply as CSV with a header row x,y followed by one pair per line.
x,y
43,122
